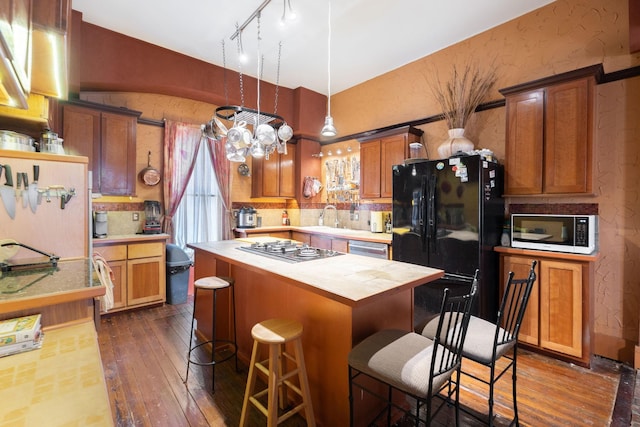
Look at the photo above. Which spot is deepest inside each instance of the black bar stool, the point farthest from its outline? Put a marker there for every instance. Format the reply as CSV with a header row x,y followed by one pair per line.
x,y
213,283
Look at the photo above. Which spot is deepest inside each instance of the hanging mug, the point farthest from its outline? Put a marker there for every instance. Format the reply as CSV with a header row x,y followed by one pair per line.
x,y
235,134
285,132
265,134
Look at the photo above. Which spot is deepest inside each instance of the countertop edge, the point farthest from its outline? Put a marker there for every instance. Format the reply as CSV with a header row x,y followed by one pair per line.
x,y
547,254
366,236
44,300
127,238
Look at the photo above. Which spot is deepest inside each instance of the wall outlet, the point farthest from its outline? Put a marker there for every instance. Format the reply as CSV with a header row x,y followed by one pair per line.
x,y
135,216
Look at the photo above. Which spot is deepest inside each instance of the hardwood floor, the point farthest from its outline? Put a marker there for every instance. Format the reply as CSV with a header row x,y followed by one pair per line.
x,y
144,358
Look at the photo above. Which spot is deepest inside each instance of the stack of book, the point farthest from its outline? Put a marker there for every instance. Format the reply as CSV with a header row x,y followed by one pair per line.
x,y
20,334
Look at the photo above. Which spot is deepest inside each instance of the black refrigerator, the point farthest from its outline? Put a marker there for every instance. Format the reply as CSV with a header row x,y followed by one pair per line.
x,y
449,214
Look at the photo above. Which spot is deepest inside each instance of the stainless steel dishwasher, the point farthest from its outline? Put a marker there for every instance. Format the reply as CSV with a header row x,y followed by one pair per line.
x,y
371,249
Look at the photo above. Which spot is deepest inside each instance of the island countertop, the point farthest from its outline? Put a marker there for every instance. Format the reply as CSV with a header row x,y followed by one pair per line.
x,y
349,279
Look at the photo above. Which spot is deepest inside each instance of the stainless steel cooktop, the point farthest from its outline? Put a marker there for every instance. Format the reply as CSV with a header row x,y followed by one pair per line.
x,y
289,251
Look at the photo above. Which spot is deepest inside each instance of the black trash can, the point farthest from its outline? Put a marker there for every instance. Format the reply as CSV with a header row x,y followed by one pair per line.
x,y
178,264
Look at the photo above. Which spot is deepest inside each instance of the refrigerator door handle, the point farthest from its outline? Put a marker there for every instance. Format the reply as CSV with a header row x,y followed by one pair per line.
x,y
422,213
431,212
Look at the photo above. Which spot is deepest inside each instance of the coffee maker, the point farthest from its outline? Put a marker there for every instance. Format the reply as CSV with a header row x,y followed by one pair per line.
x,y
100,224
152,217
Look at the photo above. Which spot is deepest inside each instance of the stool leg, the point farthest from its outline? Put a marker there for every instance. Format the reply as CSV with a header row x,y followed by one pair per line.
x,y
282,390
213,344
304,384
251,382
274,381
235,336
193,317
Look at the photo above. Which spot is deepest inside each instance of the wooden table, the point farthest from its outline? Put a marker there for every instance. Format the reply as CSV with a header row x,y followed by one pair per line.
x,y
60,384
339,300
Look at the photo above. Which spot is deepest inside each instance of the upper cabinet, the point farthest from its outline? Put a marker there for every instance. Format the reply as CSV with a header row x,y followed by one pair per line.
x,y
276,176
549,134
107,136
377,157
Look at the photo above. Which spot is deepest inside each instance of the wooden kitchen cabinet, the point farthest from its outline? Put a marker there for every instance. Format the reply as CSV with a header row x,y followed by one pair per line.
x,y
301,237
329,243
275,177
139,273
558,315
549,134
377,158
107,136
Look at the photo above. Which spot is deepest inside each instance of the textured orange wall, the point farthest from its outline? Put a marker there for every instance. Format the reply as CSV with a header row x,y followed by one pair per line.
x,y
562,36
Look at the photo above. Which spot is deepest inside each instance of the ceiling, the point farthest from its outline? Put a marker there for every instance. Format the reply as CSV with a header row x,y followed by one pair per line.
x,y
368,37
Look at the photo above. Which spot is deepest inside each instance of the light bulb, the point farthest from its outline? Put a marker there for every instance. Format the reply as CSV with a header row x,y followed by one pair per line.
x,y
328,129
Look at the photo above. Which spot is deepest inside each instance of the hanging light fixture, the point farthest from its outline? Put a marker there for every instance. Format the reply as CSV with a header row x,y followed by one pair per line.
x,y
292,13
328,128
270,131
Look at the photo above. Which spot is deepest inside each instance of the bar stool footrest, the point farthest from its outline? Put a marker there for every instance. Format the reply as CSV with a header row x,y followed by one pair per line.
x,y
214,362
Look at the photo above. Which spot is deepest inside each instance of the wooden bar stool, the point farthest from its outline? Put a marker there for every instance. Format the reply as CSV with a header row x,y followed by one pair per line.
x,y
276,333
213,283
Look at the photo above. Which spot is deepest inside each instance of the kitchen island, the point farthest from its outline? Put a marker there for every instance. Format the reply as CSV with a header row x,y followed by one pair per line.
x,y
340,300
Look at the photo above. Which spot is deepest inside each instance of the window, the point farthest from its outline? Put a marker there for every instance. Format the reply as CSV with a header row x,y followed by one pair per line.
x,y
198,218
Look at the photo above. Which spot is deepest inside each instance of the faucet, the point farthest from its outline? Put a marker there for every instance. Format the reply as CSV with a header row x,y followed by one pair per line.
x,y
324,211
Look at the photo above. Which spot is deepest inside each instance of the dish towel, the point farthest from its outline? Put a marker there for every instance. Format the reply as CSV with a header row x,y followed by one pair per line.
x,y
105,274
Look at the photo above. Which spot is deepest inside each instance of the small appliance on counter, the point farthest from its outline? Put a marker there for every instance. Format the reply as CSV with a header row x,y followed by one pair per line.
x,y
576,234
377,222
100,224
152,217
247,217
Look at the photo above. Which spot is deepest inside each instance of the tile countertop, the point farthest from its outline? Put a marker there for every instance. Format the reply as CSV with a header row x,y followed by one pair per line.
x,y
129,238
63,381
343,233
350,279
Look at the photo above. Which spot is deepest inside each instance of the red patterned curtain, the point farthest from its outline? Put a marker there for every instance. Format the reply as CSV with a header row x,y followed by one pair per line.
x,y
181,144
222,169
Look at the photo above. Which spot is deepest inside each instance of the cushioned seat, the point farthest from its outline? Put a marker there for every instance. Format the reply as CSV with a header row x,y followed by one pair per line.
x,y
400,358
407,362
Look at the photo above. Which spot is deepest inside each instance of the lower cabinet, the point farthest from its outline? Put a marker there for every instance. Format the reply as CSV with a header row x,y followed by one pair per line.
x,y
557,319
139,273
329,243
304,238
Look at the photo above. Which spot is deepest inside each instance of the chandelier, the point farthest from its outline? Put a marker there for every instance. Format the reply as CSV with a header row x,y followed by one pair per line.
x,y
269,133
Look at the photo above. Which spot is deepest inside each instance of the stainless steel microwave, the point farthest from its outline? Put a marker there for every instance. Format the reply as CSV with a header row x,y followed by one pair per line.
x,y
576,234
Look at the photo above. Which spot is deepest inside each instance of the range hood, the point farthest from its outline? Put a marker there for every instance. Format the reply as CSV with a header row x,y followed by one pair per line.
x,y
49,72
15,53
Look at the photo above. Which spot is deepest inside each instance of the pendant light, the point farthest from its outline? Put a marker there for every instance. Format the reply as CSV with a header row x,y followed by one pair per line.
x,y
328,129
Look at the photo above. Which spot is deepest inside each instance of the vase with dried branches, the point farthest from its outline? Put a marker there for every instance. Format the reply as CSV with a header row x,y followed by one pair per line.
x,y
459,98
